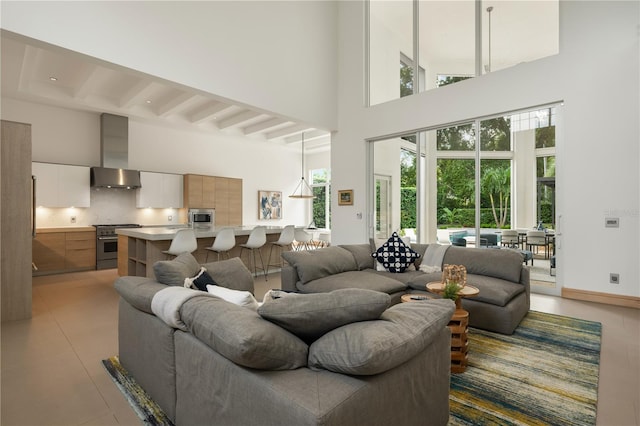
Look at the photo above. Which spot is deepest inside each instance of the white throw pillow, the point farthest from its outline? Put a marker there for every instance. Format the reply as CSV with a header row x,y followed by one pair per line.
x,y
237,297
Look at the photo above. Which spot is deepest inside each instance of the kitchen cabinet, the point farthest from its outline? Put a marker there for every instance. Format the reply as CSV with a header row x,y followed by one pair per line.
x,y
61,185
160,190
228,201
16,214
214,192
199,191
64,250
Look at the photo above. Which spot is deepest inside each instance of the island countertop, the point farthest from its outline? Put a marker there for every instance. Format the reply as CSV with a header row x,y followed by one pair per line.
x,y
160,233
140,248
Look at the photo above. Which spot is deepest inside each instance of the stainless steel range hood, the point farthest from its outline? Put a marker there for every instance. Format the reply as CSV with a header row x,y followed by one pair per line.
x,y
114,155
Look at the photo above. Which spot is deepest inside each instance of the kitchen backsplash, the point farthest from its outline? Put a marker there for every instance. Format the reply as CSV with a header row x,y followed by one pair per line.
x,y
108,206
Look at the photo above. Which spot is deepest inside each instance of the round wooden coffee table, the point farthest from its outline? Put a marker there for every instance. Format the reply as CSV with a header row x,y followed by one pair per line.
x,y
466,291
458,326
415,297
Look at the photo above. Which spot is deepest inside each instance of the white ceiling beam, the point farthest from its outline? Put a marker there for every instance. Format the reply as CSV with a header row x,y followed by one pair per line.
x,y
208,112
28,67
287,131
85,81
139,90
264,125
309,135
237,119
173,104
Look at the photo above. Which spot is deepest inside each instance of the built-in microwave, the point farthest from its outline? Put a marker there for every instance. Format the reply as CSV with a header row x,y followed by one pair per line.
x,y
201,218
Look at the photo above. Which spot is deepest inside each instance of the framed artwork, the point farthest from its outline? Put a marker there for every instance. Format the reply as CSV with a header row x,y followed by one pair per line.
x,y
345,197
269,205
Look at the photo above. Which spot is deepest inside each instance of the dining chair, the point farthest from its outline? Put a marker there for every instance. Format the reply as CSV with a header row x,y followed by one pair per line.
x,y
225,240
257,239
285,240
183,242
509,238
538,239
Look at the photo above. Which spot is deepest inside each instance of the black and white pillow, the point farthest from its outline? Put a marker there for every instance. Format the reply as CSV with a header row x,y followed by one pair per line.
x,y
200,281
395,255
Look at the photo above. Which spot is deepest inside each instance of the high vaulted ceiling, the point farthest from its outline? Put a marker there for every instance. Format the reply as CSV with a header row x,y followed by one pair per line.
x,y
38,72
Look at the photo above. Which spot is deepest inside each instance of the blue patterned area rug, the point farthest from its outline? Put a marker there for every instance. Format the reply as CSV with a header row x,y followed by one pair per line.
x,y
147,410
546,373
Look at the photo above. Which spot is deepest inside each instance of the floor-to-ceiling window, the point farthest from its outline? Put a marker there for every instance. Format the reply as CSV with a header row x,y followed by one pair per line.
x,y
419,45
462,184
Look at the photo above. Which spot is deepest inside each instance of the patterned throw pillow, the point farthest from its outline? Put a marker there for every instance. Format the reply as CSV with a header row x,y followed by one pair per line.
x,y
200,281
394,255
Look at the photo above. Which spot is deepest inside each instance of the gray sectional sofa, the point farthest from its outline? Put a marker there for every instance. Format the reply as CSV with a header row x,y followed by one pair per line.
x,y
500,275
214,362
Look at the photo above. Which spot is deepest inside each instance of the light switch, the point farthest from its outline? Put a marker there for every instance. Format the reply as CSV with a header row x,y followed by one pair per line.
x,y
611,222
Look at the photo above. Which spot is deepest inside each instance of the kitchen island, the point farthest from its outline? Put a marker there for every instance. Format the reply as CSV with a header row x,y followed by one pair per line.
x,y
140,248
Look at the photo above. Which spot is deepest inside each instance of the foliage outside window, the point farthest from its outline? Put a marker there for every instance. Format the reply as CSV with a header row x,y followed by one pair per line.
x,y
408,197
321,206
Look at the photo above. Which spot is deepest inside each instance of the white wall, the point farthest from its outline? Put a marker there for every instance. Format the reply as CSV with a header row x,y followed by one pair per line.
x,y
596,75
66,136
277,55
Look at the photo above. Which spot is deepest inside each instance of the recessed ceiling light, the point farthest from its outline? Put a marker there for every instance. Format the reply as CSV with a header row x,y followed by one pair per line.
x,y
52,78
148,101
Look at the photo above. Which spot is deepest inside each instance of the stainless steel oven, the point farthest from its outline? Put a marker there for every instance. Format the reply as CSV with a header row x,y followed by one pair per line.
x,y
107,245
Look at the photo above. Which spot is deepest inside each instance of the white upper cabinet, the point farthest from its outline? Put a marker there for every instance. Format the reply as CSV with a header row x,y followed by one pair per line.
x,y
60,185
159,190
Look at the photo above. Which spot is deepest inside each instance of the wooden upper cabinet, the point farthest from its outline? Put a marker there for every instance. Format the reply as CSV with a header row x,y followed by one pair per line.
x,y
209,191
214,192
235,201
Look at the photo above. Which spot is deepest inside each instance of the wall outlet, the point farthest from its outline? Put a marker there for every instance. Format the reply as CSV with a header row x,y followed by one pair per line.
x,y
614,278
169,218
73,219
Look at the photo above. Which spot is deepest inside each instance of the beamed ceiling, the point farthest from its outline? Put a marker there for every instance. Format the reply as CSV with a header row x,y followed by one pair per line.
x,y
37,72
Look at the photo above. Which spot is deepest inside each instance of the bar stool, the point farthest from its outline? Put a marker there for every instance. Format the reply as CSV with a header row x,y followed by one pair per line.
x,y
324,239
303,239
257,239
224,242
183,242
285,240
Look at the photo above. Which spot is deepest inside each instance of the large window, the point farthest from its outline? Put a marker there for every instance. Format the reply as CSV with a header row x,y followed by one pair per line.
x,y
476,177
321,206
444,41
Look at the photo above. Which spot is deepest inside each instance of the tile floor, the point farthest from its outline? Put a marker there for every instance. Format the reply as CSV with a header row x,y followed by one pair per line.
x,y
52,375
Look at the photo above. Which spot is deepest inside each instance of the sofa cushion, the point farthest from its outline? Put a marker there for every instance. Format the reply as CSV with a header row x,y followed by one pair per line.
x,y
138,291
505,264
361,254
173,272
314,264
353,279
231,273
405,277
309,316
395,255
243,336
494,290
373,347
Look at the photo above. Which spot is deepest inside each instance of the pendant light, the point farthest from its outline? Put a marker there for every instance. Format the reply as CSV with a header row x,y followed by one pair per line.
x,y
303,190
